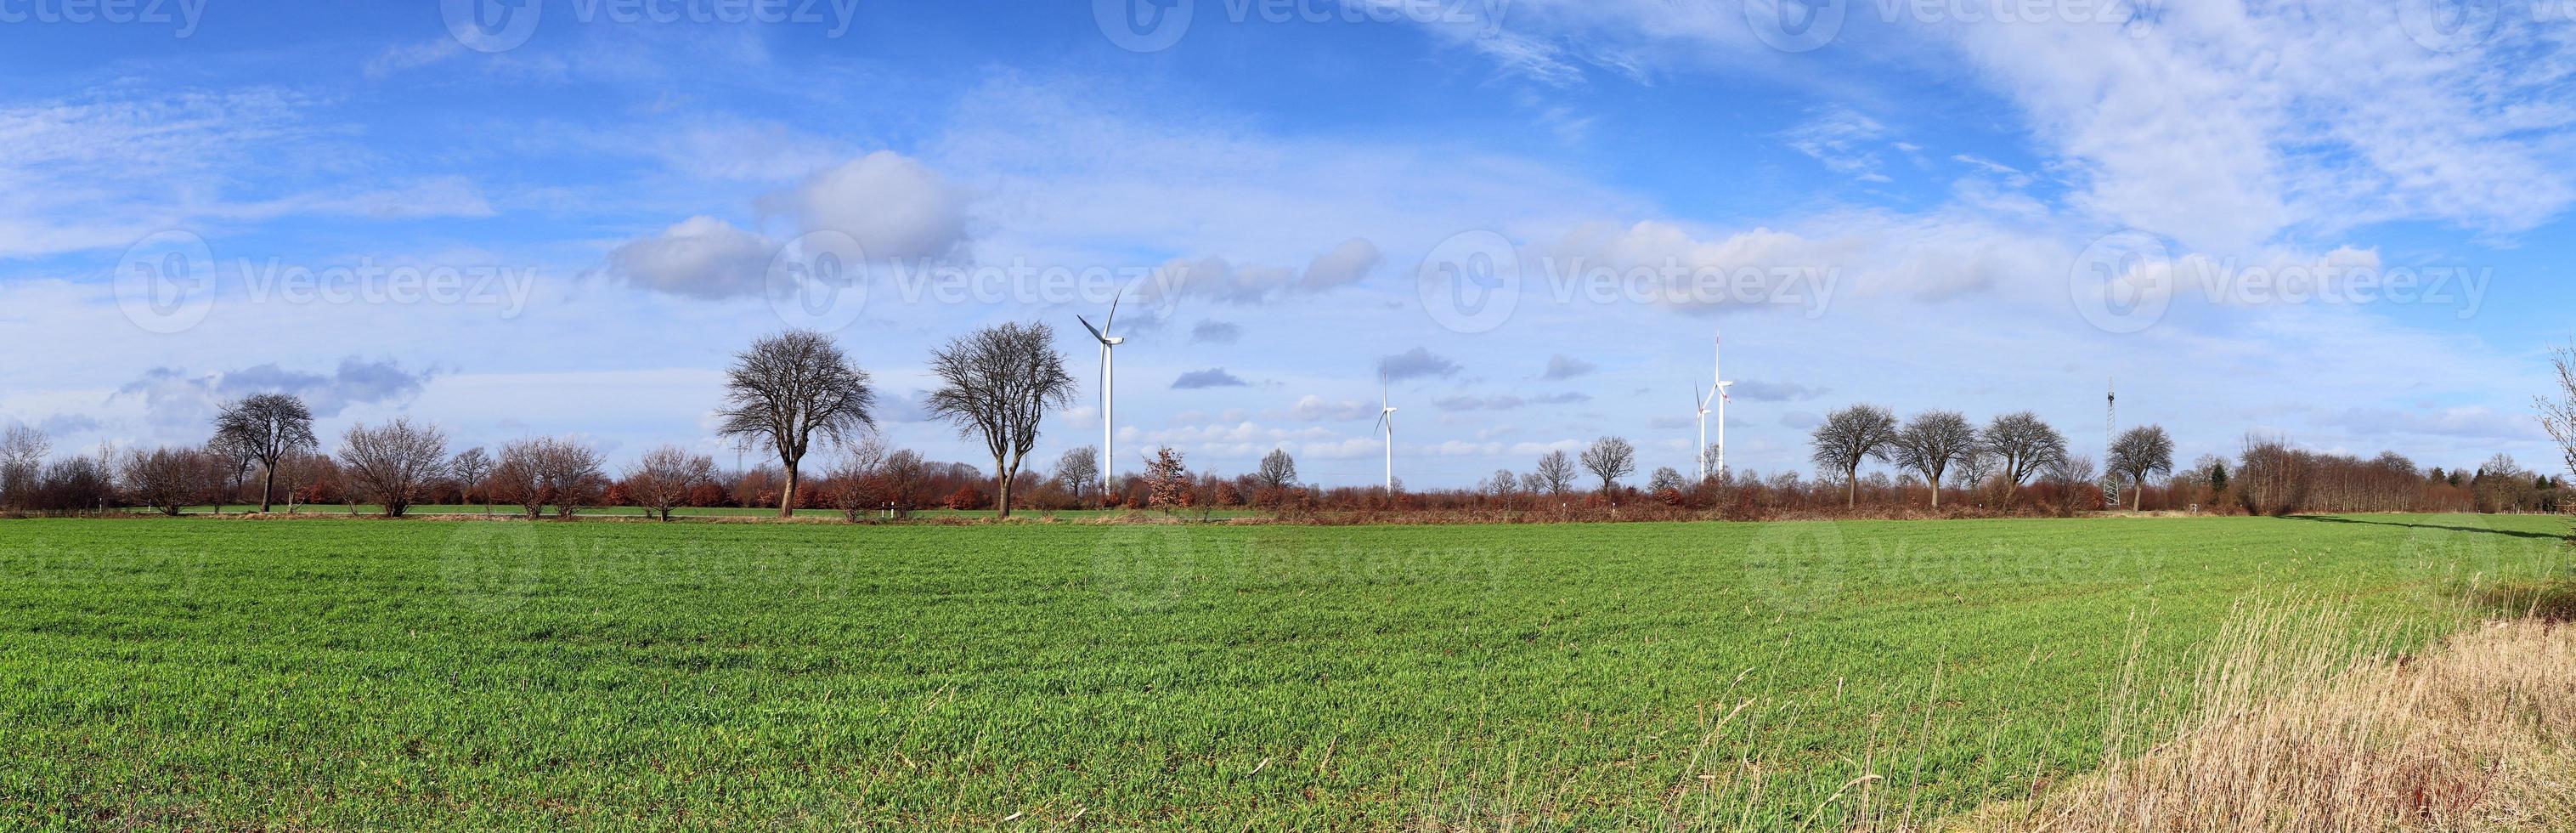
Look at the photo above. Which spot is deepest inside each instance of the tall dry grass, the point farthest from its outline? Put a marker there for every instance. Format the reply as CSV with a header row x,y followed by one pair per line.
x,y
2289,729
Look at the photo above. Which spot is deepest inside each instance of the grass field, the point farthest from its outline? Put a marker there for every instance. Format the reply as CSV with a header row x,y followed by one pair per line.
x,y
365,509
328,673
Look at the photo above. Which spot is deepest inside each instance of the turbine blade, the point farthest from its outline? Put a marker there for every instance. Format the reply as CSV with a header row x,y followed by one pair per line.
x,y
1095,331
1112,320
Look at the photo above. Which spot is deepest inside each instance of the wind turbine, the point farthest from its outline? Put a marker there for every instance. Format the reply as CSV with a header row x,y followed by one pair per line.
x,y
1386,420
1108,395
1717,391
1700,402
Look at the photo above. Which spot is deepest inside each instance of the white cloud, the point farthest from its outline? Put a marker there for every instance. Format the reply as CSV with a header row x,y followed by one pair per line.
x,y
1844,140
1312,408
176,397
1417,363
1561,367
700,257
121,163
2218,124
896,207
891,205
1346,264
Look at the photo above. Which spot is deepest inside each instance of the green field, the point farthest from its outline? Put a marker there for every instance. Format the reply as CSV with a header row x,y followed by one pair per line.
x,y
327,510
333,674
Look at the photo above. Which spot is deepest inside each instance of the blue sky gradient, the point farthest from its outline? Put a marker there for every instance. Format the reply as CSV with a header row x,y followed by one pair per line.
x,y
1929,205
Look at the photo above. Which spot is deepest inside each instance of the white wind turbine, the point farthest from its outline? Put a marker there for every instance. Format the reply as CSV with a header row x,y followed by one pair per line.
x,y
1717,391
1386,420
1700,402
1108,398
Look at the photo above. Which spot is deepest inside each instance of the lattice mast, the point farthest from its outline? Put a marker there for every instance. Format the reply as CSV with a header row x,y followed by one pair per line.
x,y
2110,436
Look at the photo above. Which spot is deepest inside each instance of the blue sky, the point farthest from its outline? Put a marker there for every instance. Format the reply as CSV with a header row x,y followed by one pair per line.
x,y
562,219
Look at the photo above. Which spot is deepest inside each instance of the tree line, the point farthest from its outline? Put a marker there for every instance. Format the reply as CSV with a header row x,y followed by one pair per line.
x,y
796,393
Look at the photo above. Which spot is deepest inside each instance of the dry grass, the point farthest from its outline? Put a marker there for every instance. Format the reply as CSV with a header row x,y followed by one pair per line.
x,y
2287,731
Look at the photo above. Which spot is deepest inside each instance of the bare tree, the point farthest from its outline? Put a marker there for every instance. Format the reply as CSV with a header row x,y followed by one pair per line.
x,y
1973,468
233,462
857,479
786,389
299,469
572,473
2148,450
266,427
471,467
2023,446
660,480
22,461
1931,442
393,462
1665,479
1609,458
1278,470
1555,473
905,476
2068,474
997,384
1078,468
2272,478
1849,436
520,477
167,479
1503,485
2558,412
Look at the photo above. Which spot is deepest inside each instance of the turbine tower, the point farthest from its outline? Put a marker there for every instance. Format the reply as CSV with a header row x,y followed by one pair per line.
x,y
1108,394
1717,390
1386,420
1700,402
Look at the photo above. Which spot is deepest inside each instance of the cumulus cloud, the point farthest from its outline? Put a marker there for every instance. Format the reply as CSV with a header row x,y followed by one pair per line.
x,y
172,396
1673,265
1346,264
1561,367
1215,332
1754,391
701,257
1214,377
1505,401
1314,408
1226,281
1416,363
893,205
